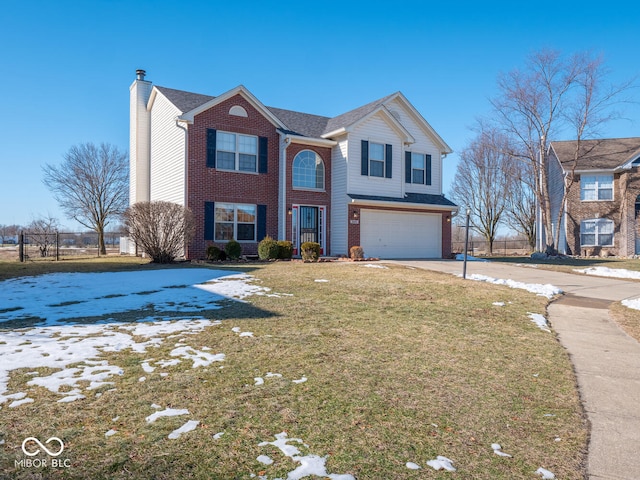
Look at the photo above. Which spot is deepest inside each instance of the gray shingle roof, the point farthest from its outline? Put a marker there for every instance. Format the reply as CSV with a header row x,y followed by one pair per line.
x,y
423,198
603,154
185,101
304,124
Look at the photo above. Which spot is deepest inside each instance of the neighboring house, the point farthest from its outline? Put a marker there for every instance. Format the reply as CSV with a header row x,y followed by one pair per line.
x,y
370,177
601,216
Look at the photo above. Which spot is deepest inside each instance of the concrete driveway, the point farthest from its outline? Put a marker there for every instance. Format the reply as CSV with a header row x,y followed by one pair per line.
x,y
605,358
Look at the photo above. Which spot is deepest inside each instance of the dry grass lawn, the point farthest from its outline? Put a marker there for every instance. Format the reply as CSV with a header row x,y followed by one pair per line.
x,y
402,364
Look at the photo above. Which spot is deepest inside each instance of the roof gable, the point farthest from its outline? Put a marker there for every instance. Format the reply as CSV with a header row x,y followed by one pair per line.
x,y
603,154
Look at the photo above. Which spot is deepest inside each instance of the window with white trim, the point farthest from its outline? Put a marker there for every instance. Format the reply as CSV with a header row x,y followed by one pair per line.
x,y
236,152
596,232
376,159
596,187
308,170
235,221
418,168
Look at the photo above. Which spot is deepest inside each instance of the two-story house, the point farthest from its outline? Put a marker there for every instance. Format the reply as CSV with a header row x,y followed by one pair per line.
x,y
370,177
603,204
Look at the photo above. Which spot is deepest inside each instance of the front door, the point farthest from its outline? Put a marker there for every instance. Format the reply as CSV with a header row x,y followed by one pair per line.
x,y
309,223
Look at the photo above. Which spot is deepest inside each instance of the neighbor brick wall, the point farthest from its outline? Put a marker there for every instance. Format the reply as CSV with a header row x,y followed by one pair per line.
x,y
621,210
212,185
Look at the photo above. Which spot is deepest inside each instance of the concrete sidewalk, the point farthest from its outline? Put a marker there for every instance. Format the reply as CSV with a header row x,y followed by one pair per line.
x,y
606,359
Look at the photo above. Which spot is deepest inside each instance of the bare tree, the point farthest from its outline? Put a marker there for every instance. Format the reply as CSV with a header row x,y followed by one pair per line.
x,y
554,95
42,231
481,180
520,211
161,229
91,185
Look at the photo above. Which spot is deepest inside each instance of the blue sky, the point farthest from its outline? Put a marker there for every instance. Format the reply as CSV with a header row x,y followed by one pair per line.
x,y
67,65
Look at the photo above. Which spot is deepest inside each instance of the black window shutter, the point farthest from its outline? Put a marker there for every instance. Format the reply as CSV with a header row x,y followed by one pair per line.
x,y
364,158
407,167
428,167
211,148
209,220
263,154
261,223
388,159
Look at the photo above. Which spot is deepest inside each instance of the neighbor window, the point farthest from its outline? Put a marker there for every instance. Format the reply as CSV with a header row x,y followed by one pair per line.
x,y
235,221
308,170
596,187
236,152
596,232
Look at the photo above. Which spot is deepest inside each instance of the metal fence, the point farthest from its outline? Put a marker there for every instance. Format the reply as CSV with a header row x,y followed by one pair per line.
x,y
58,245
500,247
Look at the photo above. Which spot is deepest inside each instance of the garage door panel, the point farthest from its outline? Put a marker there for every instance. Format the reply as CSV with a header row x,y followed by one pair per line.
x,y
388,234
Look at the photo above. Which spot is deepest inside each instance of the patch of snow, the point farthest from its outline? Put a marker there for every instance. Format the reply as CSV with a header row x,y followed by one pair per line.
x,y
199,359
540,321
413,466
264,459
301,380
546,290
258,380
237,287
309,464
634,304
218,435
110,433
142,379
546,474
442,463
17,403
167,412
610,272
156,406
246,334
460,257
187,427
371,265
321,280
499,304
271,375
497,449
147,368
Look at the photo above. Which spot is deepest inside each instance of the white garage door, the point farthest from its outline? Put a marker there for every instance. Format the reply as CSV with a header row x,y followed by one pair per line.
x,y
387,234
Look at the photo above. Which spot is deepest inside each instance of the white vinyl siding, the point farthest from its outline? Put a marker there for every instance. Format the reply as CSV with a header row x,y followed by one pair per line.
x,y
423,144
339,198
374,130
167,153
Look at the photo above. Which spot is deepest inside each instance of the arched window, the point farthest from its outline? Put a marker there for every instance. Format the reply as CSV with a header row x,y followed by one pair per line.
x,y
308,170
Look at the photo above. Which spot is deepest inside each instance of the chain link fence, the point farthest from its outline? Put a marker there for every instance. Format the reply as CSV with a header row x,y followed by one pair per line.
x,y
500,247
60,245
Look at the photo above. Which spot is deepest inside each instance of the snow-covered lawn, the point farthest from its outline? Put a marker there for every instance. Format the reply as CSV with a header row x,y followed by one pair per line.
x,y
609,272
545,290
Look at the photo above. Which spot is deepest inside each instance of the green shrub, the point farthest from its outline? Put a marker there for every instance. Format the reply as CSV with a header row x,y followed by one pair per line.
x,y
214,253
310,251
233,250
268,249
285,249
357,253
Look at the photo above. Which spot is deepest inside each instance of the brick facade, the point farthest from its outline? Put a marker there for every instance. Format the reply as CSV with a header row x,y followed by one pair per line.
x,y
206,184
626,188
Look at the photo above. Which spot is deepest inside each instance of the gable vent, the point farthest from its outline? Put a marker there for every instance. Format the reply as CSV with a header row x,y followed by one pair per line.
x,y
238,111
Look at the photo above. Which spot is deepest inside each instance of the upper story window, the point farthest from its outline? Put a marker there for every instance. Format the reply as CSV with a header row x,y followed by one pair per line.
x,y
596,187
418,168
308,170
236,152
376,159
596,232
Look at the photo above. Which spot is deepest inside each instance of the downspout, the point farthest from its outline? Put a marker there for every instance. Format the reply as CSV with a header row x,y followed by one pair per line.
x,y
285,141
186,171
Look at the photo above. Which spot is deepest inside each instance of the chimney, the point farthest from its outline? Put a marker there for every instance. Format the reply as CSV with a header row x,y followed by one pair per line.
x,y
140,74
